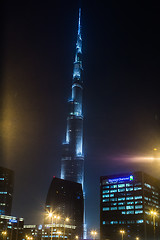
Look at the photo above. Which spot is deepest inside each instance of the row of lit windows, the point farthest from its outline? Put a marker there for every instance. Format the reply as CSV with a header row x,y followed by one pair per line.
x,y
120,198
122,190
3,192
122,203
151,200
123,222
151,187
121,185
1,179
123,207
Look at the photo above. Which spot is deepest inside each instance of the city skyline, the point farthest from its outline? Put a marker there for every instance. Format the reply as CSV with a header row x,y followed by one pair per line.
x,y
121,97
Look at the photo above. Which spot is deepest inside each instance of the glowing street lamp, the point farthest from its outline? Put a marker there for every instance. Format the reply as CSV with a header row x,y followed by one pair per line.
x,y
59,233
137,238
50,215
65,220
76,237
94,233
4,233
154,214
122,232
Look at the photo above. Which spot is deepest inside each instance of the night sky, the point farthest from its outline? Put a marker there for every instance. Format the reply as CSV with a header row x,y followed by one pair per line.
x,y
121,61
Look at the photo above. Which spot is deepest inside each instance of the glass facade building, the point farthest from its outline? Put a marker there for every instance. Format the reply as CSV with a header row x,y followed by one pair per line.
x,y
6,190
126,203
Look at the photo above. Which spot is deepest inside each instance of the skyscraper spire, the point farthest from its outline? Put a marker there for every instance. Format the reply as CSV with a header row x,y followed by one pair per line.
x,y
79,23
72,164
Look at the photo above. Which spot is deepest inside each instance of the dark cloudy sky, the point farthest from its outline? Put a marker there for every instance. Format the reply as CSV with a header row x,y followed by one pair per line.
x,y
121,59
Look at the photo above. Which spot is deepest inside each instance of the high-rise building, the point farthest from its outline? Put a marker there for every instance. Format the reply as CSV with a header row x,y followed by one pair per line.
x,y
66,195
11,228
6,190
129,206
65,198
72,163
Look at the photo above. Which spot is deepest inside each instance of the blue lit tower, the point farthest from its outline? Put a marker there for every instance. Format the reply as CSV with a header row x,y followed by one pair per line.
x,y
72,163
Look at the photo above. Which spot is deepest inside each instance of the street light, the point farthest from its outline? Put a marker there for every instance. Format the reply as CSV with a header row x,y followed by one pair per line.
x,y
4,233
122,232
76,237
50,215
137,238
65,220
93,233
58,234
154,214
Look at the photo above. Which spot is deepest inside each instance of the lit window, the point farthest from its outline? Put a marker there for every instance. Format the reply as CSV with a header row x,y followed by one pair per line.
x,y
123,212
138,202
139,221
129,184
104,222
106,209
147,185
113,186
113,191
130,203
121,185
113,208
106,191
121,190
129,198
113,199
113,204
121,208
138,211
137,188
105,187
121,199
138,206
105,200
121,203
138,197
114,222
146,198
129,207
129,189
105,196
130,212
111,195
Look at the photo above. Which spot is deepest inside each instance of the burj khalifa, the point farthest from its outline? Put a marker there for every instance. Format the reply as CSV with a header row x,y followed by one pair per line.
x,y
72,162
66,195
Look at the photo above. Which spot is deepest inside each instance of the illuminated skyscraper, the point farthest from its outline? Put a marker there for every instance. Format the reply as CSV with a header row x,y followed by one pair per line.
x,y
62,196
72,163
6,190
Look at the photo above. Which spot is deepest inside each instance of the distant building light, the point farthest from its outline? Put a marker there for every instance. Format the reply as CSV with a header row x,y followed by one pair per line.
x,y
13,220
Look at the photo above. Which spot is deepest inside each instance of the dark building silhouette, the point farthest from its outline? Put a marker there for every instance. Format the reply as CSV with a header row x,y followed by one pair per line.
x,y
6,190
65,198
126,204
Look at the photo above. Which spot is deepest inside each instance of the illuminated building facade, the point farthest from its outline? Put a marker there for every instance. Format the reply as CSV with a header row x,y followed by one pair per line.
x,y
72,163
11,227
43,232
127,203
66,195
6,190
65,198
